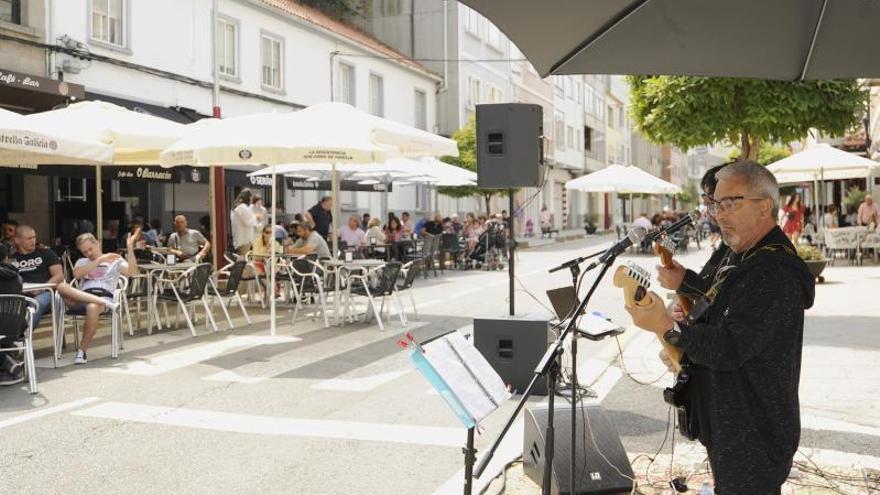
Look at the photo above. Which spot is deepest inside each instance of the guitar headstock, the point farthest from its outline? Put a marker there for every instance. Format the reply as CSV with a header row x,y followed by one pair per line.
x,y
634,280
664,247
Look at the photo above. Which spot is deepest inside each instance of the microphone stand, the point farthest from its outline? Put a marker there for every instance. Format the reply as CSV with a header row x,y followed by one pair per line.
x,y
549,367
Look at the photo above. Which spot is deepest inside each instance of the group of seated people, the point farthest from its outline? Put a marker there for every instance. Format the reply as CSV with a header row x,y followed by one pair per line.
x,y
97,274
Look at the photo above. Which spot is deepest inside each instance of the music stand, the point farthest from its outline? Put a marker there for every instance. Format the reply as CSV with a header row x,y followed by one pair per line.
x,y
465,380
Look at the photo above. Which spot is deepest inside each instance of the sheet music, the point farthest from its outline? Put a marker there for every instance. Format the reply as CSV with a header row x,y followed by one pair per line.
x,y
468,377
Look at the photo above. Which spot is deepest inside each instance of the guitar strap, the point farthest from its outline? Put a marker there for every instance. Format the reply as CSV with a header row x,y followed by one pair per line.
x,y
724,269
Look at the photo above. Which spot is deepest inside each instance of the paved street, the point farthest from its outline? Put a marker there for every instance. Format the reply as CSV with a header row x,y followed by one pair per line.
x,y
341,410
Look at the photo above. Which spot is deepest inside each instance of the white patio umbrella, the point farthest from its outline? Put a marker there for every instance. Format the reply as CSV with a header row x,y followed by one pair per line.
x,y
821,162
22,143
333,133
134,138
622,180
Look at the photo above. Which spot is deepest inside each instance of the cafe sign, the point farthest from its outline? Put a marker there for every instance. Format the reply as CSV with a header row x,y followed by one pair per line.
x,y
325,185
10,79
154,174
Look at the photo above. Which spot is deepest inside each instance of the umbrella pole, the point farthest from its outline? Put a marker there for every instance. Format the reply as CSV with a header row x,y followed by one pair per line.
x,y
99,207
334,191
272,260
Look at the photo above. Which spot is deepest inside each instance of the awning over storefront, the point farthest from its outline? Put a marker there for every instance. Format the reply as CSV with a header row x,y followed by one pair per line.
x,y
27,93
181,115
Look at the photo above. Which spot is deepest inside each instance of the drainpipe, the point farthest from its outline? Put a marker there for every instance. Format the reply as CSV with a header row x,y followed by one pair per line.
x,y
216,182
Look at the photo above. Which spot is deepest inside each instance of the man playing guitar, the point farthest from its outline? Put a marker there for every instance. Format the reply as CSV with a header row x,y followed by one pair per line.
x,y
745,339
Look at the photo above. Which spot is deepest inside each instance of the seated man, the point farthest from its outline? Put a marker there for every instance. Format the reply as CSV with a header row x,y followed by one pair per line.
x,y
309,242
352,234
7,244
186,243
99,274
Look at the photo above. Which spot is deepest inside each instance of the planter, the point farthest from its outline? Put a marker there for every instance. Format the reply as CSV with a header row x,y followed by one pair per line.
x,y
816,267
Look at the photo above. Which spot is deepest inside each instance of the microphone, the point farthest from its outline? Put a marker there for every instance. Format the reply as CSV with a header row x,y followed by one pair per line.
x,y
635,235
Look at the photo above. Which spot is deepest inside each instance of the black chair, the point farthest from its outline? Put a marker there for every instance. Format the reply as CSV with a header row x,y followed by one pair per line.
x,y
451,244
382,285
16,313
187,288
234,274
427,255
410,271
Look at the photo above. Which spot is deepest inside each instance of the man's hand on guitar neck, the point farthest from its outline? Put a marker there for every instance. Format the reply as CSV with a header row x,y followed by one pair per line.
x,y
678,312
650,314
670,278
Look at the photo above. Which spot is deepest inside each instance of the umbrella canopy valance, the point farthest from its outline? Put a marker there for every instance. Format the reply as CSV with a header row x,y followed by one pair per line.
x,y
24,143
623,180
789,40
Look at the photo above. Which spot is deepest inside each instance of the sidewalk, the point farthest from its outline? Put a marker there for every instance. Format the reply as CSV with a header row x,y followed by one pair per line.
x,y
561,236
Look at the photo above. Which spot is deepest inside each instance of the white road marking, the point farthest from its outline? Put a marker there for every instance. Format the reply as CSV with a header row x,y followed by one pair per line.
x,y
39,413
258,371
814,422
364,384
165,362
279,426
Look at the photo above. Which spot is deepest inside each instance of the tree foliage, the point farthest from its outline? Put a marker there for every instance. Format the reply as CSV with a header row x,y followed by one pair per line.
x,y
466,137
696,111
767,153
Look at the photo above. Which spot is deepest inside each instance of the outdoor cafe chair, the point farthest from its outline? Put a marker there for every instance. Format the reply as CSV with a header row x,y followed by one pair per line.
x,y
840,240
382,285
188,287
451,244
307,282
135,293
871,241
410,272
428,254
115,317
16,312
231,275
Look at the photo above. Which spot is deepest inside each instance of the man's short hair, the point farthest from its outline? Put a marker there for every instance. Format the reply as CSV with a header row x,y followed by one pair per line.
x,y
11,222
760,180
23,229
307,225
325,199
710,181
83,238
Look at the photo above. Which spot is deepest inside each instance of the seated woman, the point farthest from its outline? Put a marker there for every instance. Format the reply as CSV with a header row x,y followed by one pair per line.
x,y
98,274
374,236
260,253
396,236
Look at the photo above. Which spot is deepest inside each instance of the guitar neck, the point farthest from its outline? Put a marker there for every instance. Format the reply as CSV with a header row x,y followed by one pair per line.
x,y
686,304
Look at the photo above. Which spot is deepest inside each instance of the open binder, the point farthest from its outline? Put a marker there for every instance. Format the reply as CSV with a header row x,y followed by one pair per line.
x,y
462,376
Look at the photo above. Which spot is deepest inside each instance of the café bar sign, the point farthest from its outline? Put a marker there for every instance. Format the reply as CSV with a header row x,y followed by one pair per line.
x,y
12,79
154,174
344,185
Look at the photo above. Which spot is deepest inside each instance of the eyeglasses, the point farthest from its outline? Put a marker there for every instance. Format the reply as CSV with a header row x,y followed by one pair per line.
x,y
727,204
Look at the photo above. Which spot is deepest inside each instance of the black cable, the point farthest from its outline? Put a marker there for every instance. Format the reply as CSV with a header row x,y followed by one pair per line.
x,y
502,475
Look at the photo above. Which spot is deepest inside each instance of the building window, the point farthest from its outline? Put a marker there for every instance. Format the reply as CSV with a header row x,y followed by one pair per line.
x,y
272,54
569,136
346,84
557,84
578,89
493,36
108,21
71,189
10,11
227,47
621,118
495,95
377,95
610,117
473,96
588,139
421,106
474,22
559,134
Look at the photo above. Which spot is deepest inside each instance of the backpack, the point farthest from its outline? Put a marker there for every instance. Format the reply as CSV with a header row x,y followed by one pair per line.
x,y
10,280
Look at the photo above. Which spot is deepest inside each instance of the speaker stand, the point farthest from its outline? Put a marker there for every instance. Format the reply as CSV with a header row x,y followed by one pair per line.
x,y
549,367
470,457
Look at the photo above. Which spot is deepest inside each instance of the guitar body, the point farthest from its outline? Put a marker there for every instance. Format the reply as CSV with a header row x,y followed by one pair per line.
x,y
677,395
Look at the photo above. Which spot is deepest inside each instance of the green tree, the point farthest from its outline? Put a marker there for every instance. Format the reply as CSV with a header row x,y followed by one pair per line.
x,y
696,111
689,197
466,137
767,153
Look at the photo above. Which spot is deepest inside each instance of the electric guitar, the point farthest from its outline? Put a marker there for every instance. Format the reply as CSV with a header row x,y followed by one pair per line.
x,y
676,396
635,281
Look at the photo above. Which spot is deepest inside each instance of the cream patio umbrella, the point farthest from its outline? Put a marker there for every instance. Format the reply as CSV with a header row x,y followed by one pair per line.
x,y
23,143
622,180
333,133
134,138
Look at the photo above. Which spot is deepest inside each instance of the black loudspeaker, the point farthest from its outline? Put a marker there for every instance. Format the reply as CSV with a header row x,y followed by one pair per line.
x,y
597,476
509,142
514,345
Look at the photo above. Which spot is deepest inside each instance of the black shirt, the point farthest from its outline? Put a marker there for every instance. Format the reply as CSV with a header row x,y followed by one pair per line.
x,y
34,267
746,355
434,228
322,218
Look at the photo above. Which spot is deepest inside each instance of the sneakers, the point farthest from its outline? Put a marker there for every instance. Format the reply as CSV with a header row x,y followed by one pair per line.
x,y
80,357
10,364
7,378
111,305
